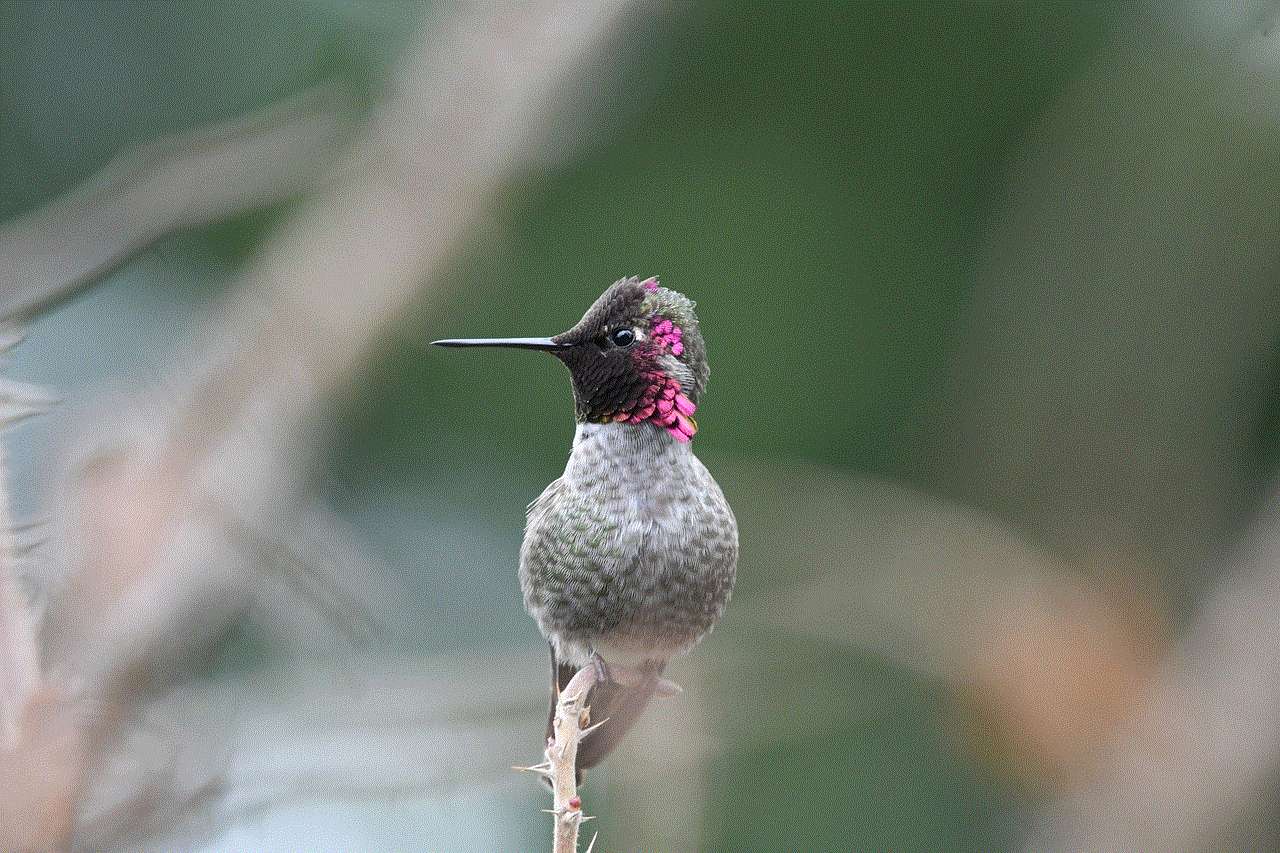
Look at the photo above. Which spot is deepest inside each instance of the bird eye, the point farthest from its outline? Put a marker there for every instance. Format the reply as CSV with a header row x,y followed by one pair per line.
x,y
622,337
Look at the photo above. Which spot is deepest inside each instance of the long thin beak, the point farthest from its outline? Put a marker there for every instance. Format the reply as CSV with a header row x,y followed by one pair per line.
x,y
514,343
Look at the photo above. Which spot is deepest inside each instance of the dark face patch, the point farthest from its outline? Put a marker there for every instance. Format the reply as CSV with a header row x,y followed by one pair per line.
x,y
605,382
613,382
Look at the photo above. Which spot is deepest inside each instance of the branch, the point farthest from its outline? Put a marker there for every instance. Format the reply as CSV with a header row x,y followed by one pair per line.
x,y
59,250
561,765
41,751
178,501
20,675
1194,756
144,508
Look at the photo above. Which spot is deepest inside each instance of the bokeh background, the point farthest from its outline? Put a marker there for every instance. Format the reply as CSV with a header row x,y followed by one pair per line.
x,y
989,292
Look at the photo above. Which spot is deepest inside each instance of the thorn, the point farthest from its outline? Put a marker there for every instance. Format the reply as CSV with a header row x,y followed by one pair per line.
x,y
25,548
544,768
9,417
24,393
25,526
19,401
10,338
570,813
589,729
11,414
663,687
594,836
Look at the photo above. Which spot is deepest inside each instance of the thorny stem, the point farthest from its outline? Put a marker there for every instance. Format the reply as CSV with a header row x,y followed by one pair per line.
x,y
572,715
572,722
560,767
20,674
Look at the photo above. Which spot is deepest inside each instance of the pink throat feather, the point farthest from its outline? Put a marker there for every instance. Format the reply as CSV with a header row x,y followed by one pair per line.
x,y
667,406
663,402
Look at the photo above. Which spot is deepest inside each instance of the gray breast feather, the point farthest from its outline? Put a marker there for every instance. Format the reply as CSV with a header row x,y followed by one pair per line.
x,y
629,555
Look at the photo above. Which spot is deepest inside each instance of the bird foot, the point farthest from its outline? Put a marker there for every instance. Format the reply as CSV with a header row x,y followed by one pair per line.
x,y
634,677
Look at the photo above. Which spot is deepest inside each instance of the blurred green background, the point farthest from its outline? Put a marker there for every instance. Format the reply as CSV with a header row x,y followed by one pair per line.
x,y
838,187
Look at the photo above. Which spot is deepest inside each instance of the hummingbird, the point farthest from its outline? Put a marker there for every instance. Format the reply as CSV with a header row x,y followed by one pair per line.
x,y
630,556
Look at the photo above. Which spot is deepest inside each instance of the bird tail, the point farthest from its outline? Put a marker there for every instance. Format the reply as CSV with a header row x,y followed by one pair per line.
x,y
618,705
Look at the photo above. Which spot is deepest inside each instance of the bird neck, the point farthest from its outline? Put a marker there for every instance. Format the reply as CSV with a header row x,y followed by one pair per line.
x,y
632,449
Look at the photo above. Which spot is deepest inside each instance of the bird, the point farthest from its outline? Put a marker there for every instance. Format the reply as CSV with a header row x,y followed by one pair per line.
x,y
630,556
